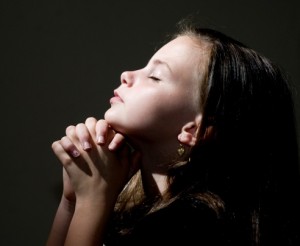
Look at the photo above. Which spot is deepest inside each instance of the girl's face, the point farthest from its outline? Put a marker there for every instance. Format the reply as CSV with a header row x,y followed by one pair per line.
x,y
156,101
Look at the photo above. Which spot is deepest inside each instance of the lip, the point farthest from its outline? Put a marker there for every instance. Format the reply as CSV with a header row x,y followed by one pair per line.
x,y
116,98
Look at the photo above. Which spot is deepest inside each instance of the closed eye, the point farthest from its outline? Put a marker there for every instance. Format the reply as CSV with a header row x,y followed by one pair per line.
x,y
154,78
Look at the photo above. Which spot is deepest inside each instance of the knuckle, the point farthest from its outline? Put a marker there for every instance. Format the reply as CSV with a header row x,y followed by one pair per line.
x,y
65,143
82,131
91,124
70,130
54,145
102,123
66,160
102,127
90,120
80,125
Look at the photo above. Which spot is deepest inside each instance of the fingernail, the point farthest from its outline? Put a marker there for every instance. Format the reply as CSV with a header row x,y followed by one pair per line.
x,y
86,145
75,153
112,146
100,140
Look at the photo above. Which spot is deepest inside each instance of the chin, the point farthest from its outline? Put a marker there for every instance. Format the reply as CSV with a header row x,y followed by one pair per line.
x,y
110,114
108,117
112,119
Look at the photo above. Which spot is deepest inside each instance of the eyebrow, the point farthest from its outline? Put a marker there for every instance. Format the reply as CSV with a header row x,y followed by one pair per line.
x,y
160,62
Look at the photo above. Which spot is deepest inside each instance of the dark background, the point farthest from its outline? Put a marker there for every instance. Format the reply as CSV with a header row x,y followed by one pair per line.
x,y
60,61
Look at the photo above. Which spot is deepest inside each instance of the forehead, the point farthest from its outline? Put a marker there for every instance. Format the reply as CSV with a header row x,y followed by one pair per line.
x,y
182,47
184,51
185,55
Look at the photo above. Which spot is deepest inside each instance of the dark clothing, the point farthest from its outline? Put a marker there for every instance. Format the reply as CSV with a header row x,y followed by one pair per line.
x,y
184,222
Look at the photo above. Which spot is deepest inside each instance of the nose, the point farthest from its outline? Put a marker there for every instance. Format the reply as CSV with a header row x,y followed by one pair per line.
x,y
127,78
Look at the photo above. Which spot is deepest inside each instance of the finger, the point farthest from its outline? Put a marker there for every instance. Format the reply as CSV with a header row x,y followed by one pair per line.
x,y
91,126
72,165
61,154
84,136
68,190
69,147
101,131
71,133
117,142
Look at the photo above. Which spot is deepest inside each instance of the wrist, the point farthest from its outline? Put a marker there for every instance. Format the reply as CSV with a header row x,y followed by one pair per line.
x,y
67,205
100,198
94,203
89,222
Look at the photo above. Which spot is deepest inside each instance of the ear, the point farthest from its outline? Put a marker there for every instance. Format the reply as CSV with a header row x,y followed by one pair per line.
x,y
188,134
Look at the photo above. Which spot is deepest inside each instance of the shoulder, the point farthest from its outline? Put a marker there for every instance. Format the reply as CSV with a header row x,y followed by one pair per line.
x,y
184,221
187,210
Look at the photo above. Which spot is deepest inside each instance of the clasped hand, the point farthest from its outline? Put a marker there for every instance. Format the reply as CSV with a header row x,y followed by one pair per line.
x,y
96,161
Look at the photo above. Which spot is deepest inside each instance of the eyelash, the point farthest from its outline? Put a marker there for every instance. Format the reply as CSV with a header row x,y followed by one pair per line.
x,y
154,78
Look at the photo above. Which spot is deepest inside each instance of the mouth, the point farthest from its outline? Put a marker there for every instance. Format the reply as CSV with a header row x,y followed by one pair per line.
x,y
116,98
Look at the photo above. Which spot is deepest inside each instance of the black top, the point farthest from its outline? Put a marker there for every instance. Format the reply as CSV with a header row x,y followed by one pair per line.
x,y
184,222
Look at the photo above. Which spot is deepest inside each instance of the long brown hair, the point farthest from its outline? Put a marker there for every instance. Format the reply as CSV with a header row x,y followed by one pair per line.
x,y
248,172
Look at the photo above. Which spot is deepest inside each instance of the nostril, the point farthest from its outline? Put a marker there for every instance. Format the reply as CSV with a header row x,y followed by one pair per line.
x,y
126,78
123,78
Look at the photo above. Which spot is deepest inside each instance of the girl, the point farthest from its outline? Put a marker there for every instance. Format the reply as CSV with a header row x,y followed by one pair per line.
x,y
198,147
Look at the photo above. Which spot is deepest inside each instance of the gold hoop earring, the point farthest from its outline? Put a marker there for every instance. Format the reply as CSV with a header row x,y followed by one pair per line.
x,y
180,150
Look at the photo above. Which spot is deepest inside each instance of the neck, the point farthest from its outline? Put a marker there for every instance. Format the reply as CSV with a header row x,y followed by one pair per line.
x,y
156,158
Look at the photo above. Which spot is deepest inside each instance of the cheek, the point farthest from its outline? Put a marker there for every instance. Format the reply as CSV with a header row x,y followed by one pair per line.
x,y
164,110
139,114
159,113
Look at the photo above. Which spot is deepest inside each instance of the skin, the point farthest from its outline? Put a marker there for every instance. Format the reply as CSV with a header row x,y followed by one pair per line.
x,y
155,94
96,159
149,98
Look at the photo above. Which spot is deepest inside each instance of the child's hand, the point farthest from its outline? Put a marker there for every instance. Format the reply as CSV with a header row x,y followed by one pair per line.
x,y
96,160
